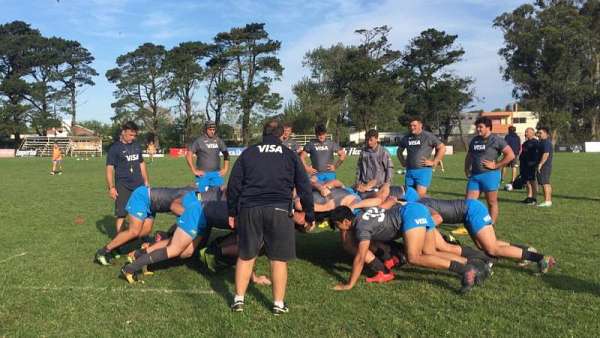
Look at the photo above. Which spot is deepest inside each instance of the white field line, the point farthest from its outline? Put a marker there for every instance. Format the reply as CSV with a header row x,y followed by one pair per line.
x,y
12,257
108,289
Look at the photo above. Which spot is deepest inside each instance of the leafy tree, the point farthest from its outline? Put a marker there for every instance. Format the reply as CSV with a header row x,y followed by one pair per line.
x,y
74,72
220,85
184,66
16,39
545,49
432,90
372,74
142,85
255,66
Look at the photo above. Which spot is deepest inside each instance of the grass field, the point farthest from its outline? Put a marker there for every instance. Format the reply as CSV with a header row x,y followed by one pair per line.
x,y
50,287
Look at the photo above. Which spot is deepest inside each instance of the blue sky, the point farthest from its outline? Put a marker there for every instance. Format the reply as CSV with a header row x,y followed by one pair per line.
x,y
109,28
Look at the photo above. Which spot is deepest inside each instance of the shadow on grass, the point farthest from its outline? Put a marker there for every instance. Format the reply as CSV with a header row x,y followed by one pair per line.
x,y
569,283
410,273
324,250
106,226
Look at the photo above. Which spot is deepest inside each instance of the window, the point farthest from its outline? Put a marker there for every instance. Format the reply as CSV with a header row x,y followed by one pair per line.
x,y
519,120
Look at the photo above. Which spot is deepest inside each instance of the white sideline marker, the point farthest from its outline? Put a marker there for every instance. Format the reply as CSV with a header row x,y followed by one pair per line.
x,y
15,256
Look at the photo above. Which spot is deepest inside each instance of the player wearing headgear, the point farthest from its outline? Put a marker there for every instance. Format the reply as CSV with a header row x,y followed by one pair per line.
x,y
207,168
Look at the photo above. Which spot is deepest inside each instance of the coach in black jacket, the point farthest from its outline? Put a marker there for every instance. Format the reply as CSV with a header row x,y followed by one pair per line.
x,y
260,197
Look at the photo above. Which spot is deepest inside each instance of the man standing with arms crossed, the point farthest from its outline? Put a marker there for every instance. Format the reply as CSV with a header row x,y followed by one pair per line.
x,y
419,144
259,196
544,167
125,162
207,169
482,167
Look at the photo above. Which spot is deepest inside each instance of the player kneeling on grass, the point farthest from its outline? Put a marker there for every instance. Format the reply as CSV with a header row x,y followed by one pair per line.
x,y
413,222
476,219
142,206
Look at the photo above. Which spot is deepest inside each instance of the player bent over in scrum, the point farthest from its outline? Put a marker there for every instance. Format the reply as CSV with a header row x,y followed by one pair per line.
x,y
199,212
478,222
142,206
413,222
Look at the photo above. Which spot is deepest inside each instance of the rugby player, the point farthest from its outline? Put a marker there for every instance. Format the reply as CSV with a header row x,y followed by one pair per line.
x,y
287,141
207,168
482,167
375,168
142,206
476,219
419,145
200,211
411,221
321,153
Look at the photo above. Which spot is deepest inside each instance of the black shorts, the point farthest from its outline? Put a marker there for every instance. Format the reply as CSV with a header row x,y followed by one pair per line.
x,y
121,201
528,173
543,176
269,226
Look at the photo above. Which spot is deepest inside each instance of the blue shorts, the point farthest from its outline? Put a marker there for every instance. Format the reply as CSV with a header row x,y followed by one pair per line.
x,y
477,217
485,182
138,205
192,221
210,179
325,176
411,195
416,215
415,177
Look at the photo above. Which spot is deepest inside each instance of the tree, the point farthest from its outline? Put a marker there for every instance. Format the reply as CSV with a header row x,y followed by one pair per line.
x,y
142,84
16,39
545,49
372,73
184,66
255,66
75,72
43,93
432,91
220,86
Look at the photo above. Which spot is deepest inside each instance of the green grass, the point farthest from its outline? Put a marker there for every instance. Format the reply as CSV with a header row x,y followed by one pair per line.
x,y
50,287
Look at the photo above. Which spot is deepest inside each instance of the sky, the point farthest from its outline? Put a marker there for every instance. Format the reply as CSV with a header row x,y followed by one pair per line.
x,y
109,28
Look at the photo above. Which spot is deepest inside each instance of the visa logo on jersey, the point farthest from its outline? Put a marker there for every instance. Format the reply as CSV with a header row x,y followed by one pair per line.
x,y
414,142
270,148
478,147
133,157
322,148
212,145
421,221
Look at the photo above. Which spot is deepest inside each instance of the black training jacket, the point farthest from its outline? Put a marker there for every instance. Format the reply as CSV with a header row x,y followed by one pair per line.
x,y
266,174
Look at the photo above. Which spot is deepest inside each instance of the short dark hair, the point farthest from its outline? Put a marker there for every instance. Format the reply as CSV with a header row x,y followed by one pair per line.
x,y
415,118
371,133
273,128
320,129
287,125
512,129
545,129
485,121
339,214
130,125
